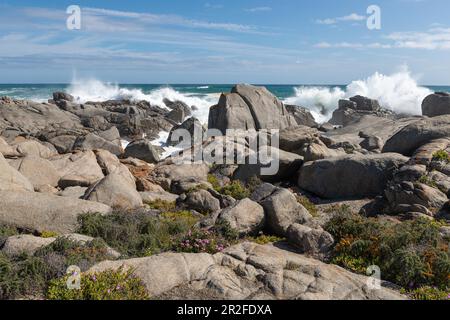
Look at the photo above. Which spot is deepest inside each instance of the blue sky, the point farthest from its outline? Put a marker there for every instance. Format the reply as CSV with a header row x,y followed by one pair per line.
x,y
226,41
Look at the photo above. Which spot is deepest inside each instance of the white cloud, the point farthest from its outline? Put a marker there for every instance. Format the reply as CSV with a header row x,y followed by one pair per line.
x,y
433,39
351,17
258,9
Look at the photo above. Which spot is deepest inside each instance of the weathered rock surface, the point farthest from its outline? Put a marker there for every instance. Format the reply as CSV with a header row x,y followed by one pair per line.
x,y
44,212
11,179
248,271
302,116
436,104
349,176
245,216
77,169
143,150
202,201
309,240
415,135
192,126
247,103
282,210
273,165
116,191
24,243
231,112
38,171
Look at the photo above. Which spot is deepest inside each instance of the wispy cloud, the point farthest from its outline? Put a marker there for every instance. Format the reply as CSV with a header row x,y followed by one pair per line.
x,y
354,17
258,9
433,39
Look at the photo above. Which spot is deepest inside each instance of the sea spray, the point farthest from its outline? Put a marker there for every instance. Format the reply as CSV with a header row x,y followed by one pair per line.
x,y
398,92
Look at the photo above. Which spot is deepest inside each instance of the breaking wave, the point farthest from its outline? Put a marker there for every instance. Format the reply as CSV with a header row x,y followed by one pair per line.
x,y
398,92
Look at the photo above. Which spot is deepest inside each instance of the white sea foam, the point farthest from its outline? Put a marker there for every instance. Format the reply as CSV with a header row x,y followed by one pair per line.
x,y
398,92
95,90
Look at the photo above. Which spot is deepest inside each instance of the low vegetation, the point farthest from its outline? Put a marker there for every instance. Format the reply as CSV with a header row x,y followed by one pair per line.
x,y
442,156
107,285
311,207
411,254
263,239
28,275
161,205
138,234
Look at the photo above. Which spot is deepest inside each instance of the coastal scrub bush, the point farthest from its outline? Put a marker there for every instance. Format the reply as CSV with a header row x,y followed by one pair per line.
x,y
411,254
107,285
138,234
29,275
308,205
266,239
200,241
235,189
161,205
442,156
427,293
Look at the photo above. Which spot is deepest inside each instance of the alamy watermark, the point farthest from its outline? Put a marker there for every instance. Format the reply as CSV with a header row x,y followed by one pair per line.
x,y
73,22
374,19
236,147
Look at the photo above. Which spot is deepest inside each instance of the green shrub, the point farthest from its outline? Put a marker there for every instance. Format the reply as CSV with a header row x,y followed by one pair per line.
x,y
308,205
161,205
411,254
427,293
137,234
48,234
224,229
264,239
235,189
107,285
25,275
441,155
7,231
212,179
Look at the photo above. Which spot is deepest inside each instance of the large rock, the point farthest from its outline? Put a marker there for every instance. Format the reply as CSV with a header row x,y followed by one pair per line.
x,y
167,172
436,104
296,138
231,112
248,271
116,191
44,212
24,243
364,103
413,136
92,142
249,107
77,169
202,201
40,172
6,150
11,179
34,148
409,197
195,129
349,176
282,210
143,150
28,244
302,116
62,96
285,166
31,118
245,216
309,240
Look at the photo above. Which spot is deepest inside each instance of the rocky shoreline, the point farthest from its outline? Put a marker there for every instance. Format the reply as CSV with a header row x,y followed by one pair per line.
x,y
210,231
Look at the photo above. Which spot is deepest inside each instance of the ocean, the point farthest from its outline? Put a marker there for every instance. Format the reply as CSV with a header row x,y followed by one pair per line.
x,y
398,92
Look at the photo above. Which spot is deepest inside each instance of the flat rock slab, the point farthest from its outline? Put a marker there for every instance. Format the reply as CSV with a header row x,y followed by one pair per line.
x,y
248,271
45,212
